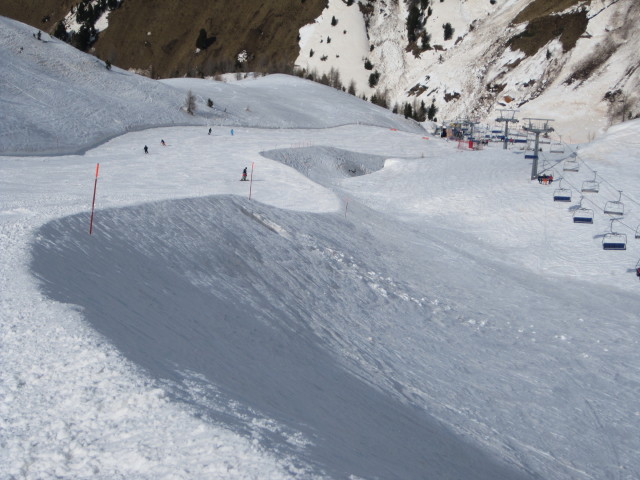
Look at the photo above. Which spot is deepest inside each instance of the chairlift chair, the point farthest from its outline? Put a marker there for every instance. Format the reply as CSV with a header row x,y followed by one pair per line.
x,y
571,166
562,194
556,147
638,232
615,207
614,240
591,186
582,214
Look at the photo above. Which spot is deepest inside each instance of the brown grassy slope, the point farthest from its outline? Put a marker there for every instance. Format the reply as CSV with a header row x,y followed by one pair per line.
x,y
542,8
266,29
567,28
42,14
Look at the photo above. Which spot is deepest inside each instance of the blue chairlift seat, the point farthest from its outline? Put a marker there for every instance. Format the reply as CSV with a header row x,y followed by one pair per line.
x,y
614,241
583,215
562,195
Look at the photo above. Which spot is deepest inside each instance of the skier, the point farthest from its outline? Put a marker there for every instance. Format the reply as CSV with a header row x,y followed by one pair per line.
x,y
638,272
244,175
146,149
162,143
209,131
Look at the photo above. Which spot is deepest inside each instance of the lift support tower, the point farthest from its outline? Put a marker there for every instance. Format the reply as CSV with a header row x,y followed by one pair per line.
x,y
537,126
506,116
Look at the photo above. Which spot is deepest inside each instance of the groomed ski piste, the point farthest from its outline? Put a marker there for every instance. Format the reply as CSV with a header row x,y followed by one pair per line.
x,y
375,303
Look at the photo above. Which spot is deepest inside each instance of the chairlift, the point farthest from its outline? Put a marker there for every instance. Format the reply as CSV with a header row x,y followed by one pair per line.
x,y
638,232
562,194
591,186
615,207
571,165
614,240
556,147
583,215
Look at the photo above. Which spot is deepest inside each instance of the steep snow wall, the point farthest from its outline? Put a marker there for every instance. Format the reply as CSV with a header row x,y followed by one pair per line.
x,y
234,304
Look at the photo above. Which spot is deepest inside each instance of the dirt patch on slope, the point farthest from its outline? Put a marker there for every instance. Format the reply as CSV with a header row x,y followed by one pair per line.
x,y
543,8
567,28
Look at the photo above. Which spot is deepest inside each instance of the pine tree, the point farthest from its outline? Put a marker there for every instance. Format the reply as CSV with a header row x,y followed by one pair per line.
x,y
448,31
190,103
373,79
60,31
431,113
413,23
408,111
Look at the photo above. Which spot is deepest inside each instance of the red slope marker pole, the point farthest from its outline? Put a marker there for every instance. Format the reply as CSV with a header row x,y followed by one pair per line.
x,y
93,203
251,180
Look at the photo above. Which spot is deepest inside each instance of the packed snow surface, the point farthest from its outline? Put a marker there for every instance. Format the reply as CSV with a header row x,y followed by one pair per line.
x,y
375,302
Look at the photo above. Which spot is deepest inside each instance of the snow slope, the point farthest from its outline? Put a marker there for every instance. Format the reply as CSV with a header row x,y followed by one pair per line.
x,y
386,305
99,104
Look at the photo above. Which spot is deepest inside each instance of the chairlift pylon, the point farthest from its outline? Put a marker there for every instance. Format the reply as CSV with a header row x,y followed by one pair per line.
x,y
614,240
615,207
591,186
